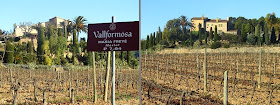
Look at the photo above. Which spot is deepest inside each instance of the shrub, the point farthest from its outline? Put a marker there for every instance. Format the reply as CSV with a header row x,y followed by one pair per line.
x,y
226,45
251,39
209,43
216,45
197,44
164,42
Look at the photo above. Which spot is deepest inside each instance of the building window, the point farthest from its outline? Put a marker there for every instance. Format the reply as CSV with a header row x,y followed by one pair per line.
x,y
207,24
211,24
221,25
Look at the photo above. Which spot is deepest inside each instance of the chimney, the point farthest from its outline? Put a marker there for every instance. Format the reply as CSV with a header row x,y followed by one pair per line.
x,y
202,17
217,20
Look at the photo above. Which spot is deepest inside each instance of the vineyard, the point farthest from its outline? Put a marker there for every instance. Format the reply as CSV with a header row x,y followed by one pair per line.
x,y
198,78
22,84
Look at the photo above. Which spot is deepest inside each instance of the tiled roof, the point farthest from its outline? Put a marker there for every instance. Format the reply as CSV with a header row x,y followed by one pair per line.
x,y
214,20
198,18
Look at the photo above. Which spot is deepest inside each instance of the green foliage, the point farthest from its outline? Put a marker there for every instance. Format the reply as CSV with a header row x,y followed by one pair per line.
x,y
30,47
209,43
9,55
47,60
248,28
164,42
229,37
59,32
83,45
251,39
215,45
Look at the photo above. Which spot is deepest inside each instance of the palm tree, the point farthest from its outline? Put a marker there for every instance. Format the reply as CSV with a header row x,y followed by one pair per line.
x,y
183,23
80,25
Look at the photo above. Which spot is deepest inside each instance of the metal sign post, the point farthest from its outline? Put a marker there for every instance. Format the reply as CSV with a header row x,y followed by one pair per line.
x,y
113,71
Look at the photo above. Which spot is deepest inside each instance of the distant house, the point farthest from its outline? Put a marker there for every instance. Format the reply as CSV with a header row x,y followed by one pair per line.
x,y
222,25
32,33
56,21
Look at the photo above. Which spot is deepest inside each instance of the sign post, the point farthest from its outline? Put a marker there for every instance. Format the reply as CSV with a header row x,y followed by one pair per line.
x,y
113,71
115,36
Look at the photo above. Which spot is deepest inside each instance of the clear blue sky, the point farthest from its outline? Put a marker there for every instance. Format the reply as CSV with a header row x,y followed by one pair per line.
x,y
155,13
95,11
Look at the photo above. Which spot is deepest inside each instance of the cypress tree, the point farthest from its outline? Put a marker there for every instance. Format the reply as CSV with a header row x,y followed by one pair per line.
x,y
211,33
60,33
257,33
151,40
199,33
148,42
266,35
29,47
273,36
40,42
9,55
191,41
205,37
160,34
154,39
157,38
122,56
215,34
243,34
127,57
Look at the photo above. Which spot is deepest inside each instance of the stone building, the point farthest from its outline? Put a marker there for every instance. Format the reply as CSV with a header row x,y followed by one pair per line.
x,y
222,25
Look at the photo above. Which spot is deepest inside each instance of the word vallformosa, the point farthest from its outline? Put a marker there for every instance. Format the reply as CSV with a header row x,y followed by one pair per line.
x,y
107,34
